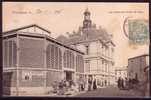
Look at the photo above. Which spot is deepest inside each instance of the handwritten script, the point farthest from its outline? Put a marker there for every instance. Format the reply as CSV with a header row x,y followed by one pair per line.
x,y
38,11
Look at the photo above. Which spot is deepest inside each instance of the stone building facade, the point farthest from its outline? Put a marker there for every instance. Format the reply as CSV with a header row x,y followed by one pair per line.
x,y
98,49
137,66
139,69
32,61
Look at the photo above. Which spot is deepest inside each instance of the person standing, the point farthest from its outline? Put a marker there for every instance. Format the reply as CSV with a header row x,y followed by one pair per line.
x,y
126,83
94,85
80,84
122,83
118,82
89,84
61,88
130,83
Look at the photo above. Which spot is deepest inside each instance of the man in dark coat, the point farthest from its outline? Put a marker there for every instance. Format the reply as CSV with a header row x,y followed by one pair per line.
x,y
94,85
89,84
119,83
122,83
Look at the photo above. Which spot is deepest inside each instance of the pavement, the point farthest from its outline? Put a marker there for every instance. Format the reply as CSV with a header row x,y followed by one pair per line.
x,y
110,91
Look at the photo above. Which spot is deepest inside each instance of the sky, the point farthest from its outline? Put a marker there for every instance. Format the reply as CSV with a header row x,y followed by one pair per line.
x,y
63,17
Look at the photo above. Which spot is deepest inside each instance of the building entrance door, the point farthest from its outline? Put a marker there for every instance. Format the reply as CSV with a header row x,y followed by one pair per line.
x,y
69,75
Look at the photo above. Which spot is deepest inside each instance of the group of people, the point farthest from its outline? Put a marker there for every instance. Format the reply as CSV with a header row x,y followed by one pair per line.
x,y
81,84
64,85
126,83
92,84
121,82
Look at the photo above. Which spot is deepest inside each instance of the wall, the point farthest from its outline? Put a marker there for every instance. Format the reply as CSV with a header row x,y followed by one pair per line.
x,y
137,65
31,52
9,51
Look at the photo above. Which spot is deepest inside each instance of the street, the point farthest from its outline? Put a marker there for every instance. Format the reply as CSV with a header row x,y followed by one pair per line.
x,y
111,91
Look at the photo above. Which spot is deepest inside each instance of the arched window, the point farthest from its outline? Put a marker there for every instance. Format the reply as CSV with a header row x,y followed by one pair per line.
x,y
54,58
68,59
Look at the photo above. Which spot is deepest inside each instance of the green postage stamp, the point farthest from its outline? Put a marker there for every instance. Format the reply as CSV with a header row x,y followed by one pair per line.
x,y
138,31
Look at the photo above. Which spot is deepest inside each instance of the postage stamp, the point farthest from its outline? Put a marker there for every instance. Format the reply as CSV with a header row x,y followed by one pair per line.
x,y
138,31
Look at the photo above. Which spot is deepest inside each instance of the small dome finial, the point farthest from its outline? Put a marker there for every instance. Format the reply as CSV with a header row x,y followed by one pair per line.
x,y
87,10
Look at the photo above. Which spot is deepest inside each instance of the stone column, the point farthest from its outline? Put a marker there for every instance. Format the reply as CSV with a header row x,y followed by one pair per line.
x,y
17,67
45,64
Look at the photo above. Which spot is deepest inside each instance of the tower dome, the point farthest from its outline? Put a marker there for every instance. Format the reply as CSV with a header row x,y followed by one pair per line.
x,y
87,21
87,12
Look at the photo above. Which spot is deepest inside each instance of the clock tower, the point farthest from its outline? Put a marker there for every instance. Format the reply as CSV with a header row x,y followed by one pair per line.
x,y
87,23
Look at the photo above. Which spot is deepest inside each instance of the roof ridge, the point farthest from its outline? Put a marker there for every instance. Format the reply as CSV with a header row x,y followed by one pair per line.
x,y
28,26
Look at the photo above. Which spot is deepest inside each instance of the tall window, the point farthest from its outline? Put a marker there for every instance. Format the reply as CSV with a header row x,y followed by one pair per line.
x,y
68,59
10,53
54,58
87,65
103,51
79,63
112,51
87,50
102,65
106,51
60,59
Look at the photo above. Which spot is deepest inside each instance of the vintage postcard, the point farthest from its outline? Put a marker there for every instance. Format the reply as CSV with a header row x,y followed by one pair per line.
x,y
80,49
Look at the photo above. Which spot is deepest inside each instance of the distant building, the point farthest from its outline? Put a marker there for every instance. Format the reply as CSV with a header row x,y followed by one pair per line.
x,y
121,72
32,61
137,66
98,47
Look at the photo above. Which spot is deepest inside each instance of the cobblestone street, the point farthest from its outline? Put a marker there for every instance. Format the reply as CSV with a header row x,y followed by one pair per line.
x,y
111,91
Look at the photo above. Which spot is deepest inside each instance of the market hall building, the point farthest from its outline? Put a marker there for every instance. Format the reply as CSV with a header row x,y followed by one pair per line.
x,y
98,46
32,61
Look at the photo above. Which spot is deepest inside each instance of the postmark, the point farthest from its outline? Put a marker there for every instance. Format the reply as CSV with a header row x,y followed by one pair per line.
x,y
136,30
